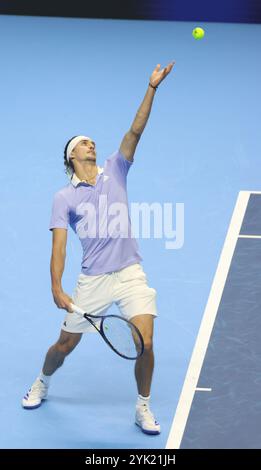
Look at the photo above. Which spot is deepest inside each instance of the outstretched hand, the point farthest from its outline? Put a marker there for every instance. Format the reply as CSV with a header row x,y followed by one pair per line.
x,y
158,75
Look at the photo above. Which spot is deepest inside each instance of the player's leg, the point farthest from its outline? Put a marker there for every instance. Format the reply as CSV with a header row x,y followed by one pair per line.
x,y
54,359
137,303
58,352
143,373
145,364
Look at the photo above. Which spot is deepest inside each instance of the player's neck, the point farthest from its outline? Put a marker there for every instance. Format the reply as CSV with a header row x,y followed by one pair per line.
x,y
86,170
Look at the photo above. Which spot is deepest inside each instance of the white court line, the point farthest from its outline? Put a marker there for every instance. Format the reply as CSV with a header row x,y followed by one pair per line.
x,y
200,389
252,192
200,348
249,236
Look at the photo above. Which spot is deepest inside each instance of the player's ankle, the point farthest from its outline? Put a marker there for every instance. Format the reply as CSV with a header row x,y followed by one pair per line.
x,y
141,400
44,378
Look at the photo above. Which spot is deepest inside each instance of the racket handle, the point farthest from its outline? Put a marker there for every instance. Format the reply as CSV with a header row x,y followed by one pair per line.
x,y
77,309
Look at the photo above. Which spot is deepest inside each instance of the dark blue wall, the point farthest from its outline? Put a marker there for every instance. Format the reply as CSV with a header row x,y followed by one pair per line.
x,y
239,11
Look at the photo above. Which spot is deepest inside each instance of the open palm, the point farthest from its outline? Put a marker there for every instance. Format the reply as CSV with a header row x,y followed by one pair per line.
x,y
158,75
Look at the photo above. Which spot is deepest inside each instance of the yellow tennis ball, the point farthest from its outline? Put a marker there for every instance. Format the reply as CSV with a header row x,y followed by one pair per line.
x,y
198,33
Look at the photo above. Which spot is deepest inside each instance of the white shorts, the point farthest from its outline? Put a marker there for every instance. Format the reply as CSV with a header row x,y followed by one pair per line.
x,y
127,287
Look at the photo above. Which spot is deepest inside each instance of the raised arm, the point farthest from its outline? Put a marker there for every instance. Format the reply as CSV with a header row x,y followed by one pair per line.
x,y
131,138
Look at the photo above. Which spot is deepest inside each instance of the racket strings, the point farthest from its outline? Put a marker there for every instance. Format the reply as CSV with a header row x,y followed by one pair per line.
x,y
123,336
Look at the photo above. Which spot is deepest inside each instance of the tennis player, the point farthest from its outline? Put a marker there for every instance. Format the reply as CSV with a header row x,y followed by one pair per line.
x,y
111,264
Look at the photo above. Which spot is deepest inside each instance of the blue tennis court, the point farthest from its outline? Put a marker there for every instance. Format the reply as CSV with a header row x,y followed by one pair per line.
x,y
225,409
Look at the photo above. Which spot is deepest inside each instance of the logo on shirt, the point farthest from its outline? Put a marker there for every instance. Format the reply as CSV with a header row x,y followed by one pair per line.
x,y
105,177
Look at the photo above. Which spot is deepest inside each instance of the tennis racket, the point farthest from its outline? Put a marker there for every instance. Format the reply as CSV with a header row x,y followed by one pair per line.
x,y
123,337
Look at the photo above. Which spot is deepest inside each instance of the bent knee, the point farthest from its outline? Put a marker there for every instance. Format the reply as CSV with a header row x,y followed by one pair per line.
x,y
66,347
148,344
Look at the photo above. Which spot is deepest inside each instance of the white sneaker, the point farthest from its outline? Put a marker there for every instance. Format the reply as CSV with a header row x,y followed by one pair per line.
x,y
35,395
146,421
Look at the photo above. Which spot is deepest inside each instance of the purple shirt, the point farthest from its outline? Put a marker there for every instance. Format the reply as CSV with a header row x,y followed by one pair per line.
x,y
99,215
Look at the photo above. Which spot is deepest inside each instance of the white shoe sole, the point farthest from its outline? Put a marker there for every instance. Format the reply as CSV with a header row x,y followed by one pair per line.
x,y
146,431
32,407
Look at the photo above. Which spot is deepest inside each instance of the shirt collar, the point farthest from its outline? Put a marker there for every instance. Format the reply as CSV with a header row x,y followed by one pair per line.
x,y
75,180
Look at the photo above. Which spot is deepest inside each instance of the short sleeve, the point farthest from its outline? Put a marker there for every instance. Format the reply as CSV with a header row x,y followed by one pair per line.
x,y
60,213
118,163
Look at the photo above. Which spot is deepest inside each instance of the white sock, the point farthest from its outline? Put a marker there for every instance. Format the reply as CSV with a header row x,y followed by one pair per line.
x,y
141,401
45,378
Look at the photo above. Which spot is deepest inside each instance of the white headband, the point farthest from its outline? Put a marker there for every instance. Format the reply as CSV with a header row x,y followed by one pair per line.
x,y
73,144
